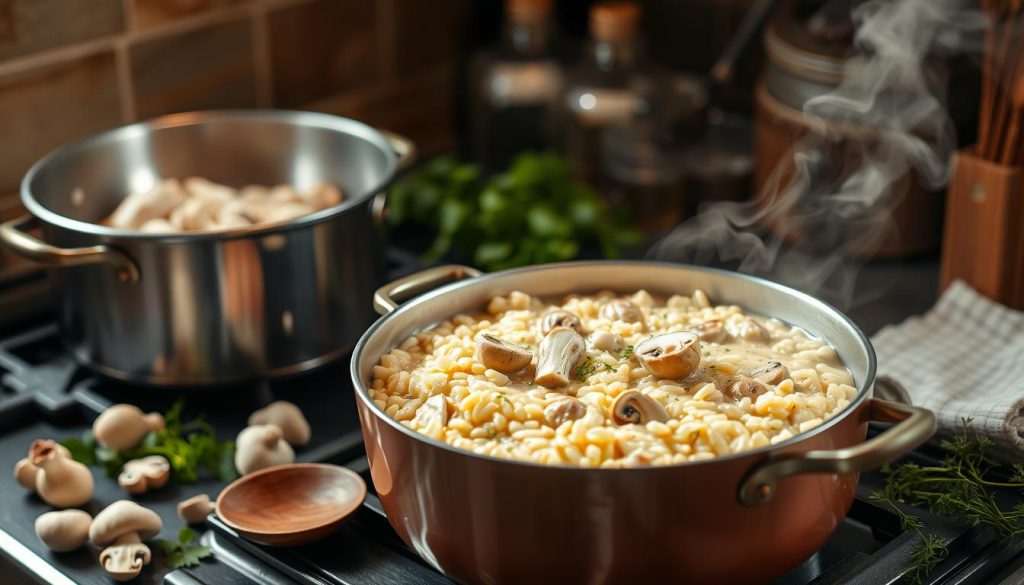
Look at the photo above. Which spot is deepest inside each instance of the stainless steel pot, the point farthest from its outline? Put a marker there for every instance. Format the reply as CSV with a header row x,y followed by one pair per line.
x,y
197,309
742,518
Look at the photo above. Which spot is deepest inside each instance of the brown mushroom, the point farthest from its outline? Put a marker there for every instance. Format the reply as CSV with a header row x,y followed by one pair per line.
x,y
712,331
141,475
635,407
560,318
559,352
746,388
622,310
672,355
564,409
498,354
607,341
770,373
751,330
120,529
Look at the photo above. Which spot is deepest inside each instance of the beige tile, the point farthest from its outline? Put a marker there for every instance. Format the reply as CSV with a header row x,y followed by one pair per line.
x,y
203,69
43,109
29,26
153,13
427,34
320,48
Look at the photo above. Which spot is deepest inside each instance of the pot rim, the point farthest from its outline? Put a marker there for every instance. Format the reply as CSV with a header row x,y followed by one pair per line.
x,y
196,118
863,387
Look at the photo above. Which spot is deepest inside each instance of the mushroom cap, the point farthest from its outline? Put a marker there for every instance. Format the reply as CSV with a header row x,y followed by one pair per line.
x,y
63,530
671,355
560,318
261,446
622,310
286,416
123,517
607,341
122,426
712,331
564,409
747,387
498,354
635,407
771,373
195,509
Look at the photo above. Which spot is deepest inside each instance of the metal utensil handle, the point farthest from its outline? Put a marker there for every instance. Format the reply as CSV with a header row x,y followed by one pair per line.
x,y
388,297
915,425
13,234
403,147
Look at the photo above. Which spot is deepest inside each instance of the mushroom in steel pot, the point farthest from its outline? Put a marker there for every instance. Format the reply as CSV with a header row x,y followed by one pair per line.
x,y
560,351
498,354
635,407
563,410
672,355
622,310
746,388
712,331
607,341
770,373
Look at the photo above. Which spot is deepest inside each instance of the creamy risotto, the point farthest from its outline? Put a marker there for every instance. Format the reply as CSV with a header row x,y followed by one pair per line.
x,y
609,380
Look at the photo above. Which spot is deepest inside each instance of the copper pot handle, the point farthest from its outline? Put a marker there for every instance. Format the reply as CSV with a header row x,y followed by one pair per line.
x,y
13,234
914,425
388,297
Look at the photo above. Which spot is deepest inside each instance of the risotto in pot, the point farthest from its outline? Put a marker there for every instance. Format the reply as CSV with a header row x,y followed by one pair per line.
x,y
611,381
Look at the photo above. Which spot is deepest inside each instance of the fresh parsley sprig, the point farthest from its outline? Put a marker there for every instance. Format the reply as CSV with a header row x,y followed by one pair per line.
x,y
961,487
183,553
189,448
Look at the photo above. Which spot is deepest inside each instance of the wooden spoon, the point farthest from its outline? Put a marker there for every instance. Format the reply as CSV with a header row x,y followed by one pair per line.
x,y
292,504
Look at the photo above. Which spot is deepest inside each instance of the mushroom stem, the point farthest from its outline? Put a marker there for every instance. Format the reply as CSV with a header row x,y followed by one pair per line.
x,y
125,558
559,351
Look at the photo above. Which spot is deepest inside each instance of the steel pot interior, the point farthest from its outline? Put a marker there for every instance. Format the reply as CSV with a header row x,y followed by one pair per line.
x,y
555,280
80,184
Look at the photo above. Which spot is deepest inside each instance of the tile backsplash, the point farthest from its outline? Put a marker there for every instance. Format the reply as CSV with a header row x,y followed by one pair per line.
x,y
70,68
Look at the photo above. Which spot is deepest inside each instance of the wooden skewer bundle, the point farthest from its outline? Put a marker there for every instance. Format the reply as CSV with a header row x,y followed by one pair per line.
x,y
1000,136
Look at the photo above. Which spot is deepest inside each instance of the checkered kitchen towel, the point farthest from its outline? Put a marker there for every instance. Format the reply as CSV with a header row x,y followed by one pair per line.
x,y
962,359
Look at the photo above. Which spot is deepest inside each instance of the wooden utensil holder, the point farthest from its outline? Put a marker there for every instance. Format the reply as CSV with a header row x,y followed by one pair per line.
x,y
984,235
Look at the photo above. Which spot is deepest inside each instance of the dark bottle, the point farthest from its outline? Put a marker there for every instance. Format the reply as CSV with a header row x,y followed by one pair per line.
x,y
609,88
516,86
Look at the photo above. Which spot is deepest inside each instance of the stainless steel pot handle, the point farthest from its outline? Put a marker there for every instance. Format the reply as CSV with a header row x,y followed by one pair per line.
x,y
13,234
403,147
915,425
388,297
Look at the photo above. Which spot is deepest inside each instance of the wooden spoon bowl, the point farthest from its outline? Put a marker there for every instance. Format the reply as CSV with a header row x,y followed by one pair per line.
x,y
291,504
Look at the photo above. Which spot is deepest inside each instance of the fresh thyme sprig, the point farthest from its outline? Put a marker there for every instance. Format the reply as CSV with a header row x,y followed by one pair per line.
x,y
960,487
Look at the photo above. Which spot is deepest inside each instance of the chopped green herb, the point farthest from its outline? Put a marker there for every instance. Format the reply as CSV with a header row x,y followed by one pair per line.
x,y
183,553
188,447
584,370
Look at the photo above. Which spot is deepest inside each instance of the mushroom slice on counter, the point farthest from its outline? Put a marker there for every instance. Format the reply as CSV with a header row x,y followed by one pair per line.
x,y
607,341
560,351
141,475
622,310
498,354
564,409
120,528
560,318
712,331
771,373
746,388
635,407
671,355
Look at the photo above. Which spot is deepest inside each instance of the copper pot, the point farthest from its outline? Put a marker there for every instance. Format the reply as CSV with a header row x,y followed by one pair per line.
x,y
742,518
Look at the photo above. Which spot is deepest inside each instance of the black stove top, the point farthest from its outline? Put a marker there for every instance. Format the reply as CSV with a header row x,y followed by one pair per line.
x,y
44,394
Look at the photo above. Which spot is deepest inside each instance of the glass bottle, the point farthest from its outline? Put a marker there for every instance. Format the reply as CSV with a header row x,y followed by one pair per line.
x,y
516,87
609,88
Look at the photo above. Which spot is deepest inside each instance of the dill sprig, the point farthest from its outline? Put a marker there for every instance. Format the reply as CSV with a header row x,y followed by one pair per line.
x,y
959,487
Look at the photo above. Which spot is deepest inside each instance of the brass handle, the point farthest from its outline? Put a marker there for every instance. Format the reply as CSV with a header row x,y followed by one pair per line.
x,y
915,425
403,147
13,234
388,297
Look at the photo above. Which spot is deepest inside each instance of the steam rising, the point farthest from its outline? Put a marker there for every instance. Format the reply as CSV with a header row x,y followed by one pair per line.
x,y
845,213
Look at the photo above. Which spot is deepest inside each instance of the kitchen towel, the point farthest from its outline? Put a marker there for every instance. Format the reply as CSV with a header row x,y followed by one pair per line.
x,y
962,359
